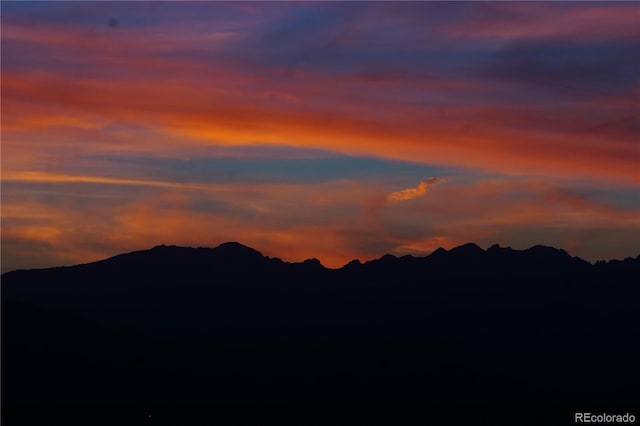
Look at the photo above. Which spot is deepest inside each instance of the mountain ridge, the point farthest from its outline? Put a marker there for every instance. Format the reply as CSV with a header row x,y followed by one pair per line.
x,y
234,249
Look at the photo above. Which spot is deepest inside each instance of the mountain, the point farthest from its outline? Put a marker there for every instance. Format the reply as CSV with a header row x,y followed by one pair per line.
x,y
227,326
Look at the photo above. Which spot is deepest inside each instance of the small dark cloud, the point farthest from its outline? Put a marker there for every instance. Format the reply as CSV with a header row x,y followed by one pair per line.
x,y
113,22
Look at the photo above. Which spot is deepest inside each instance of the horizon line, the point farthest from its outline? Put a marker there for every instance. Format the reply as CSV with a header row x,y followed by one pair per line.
x,y
315,259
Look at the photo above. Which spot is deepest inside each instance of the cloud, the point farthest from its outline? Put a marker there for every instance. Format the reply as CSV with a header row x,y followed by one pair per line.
x,y
411,193
521,106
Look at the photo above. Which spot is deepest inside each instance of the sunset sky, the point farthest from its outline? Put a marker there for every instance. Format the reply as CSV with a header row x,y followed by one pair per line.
x,y
329,130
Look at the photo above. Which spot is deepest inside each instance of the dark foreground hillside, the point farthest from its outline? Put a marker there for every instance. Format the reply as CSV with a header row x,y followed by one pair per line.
x,y
227,335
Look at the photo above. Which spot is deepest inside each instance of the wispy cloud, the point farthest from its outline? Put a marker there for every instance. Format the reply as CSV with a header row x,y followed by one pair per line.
x,y
411,193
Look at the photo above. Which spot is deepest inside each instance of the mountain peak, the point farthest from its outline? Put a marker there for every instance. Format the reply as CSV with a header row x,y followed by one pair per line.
x,y
438,252
233,244
233,248
547,251
313,261
467,249
355,263
497,249
472,246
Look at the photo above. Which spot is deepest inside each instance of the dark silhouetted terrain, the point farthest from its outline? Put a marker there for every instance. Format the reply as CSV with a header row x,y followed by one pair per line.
x,y
230,330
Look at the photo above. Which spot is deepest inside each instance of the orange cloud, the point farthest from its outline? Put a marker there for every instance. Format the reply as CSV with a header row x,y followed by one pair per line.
x,y
223,99
411,193
45,177
422,136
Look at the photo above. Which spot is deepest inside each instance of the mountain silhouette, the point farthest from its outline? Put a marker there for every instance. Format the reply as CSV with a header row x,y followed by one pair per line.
x,y
229,327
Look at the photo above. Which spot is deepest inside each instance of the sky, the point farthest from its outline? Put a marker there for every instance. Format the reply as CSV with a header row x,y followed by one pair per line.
x,y
331,130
